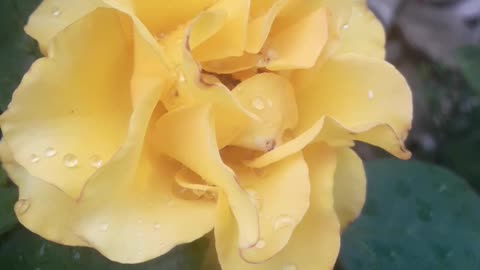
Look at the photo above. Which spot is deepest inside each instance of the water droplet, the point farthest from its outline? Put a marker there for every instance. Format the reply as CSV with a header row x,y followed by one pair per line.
x,y
34,158
289,267
41,252
70,160
260,244
282,222
104,227
371,95
96,161
345,26
76,255
50,152
181,78
258,103
56,12
157,226
21,206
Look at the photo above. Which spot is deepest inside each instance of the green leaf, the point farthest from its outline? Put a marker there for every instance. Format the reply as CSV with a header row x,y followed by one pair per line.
x,y
417,216
469,59
22,250
8,196
17,50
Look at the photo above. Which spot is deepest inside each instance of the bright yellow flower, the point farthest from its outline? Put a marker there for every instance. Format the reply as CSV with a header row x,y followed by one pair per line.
x,y
150,123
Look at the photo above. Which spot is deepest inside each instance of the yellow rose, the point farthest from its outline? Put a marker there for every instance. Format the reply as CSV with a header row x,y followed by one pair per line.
x,y
150,123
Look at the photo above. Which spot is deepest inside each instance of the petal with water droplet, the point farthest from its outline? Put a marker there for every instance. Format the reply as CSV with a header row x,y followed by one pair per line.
x,y
315,241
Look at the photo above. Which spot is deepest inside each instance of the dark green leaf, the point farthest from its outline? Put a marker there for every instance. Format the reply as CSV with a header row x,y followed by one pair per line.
x,y
17,50
417,216
469,59
22,250
8,196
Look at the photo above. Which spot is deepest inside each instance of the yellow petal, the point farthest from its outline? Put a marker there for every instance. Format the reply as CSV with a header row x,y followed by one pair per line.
x,y
271,98
53,16
160,17
131,199
350,186
41,207
259,27
87,79
232,64
297,45
188,136
315,242
223,44
191,89
362,34
372,89
279,216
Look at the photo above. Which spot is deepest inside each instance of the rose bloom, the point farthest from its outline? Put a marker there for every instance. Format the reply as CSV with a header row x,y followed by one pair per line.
x,y
149,124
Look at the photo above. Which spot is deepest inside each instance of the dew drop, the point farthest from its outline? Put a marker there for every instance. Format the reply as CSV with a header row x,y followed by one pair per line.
x,y
181,78
76,255
50,152
34,158
282,222
289,267
260,244
70,160
104,227
345,26
41,252
21,206
371,95
96,161
56,12
258,103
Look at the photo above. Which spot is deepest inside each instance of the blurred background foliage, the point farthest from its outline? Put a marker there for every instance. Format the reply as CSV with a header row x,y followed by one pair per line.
x,y
422,214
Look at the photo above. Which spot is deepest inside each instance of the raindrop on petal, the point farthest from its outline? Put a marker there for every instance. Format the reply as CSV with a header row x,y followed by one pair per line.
x,y
50,152
104,227
289,267
258,103
56,12
34,158
282,222
96,161
70,160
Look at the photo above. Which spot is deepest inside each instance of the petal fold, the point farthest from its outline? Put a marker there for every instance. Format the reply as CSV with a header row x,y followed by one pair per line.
x,y
87,77
188,135
317,233
350,186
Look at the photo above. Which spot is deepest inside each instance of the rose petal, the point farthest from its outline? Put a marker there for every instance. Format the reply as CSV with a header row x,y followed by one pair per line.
x,y
53,16
362,34
160,17
42,208
315,242
297,45
188,136
350,186
259,27
87,81
223,44
373,89
271,98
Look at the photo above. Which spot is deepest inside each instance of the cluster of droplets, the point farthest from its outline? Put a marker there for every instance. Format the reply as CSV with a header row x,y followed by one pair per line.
x,y
69,160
